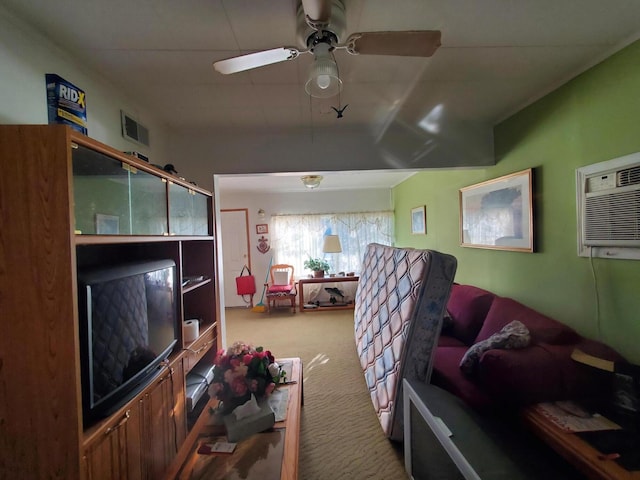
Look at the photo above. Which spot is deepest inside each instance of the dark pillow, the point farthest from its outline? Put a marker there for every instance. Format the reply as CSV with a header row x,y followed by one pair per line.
x,y
513,335
542,328
468,306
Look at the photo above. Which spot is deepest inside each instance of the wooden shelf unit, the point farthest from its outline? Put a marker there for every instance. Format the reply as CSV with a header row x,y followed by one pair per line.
x,y
41,248
304,281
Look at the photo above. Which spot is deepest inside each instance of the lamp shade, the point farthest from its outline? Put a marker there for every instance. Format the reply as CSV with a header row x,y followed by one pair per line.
x,y
323,81
332,244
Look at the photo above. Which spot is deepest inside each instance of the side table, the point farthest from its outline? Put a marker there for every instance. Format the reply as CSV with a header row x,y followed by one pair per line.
x,y
306,281
574,449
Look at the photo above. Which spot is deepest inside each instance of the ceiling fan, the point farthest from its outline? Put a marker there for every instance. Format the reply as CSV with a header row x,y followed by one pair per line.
x,y
321,26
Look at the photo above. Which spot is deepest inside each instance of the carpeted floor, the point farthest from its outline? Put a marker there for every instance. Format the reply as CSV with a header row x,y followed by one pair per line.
x,y
340,435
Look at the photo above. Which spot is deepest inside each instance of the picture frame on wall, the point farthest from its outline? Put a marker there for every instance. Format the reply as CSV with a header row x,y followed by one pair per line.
x,y
419,220
498,214
262,228
107,224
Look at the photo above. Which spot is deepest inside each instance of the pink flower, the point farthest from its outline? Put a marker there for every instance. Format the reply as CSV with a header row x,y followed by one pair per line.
x,y
239,387
235,362
216,388
247,358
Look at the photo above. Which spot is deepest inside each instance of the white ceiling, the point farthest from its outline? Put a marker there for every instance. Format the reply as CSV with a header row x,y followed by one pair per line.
x,y
291,182
496,57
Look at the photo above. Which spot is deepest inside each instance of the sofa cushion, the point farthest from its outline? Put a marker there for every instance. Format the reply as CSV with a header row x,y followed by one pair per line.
x,y
468,306
514,335
519,377
449,341
542,328
446,374
544,373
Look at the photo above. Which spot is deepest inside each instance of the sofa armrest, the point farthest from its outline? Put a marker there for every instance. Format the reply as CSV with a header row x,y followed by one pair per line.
x,y
519,377
542,373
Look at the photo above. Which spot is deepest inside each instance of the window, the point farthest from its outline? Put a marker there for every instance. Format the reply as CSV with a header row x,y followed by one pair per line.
x,y
298,237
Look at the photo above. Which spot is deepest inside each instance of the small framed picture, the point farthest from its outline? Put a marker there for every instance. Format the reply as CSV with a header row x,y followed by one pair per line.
x,y
419,220
262,228
107,224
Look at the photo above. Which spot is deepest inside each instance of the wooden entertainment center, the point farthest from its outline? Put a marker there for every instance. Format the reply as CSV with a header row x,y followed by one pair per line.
x,y
69,202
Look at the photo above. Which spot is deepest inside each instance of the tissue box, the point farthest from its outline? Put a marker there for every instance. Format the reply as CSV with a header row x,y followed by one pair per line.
x,y
258,422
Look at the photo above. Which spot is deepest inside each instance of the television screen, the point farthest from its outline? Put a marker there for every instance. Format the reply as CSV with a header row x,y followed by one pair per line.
x,y
128,326
429,451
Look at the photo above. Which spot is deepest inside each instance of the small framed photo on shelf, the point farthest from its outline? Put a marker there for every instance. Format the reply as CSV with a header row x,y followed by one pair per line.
x,y
262,228
107,224
419,220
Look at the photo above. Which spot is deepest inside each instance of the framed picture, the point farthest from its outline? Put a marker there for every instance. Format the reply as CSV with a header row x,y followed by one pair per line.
x,y
262,228
498,214
107,224
419,220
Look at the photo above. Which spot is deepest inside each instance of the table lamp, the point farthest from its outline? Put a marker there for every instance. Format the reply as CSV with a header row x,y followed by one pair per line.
x,y
331,244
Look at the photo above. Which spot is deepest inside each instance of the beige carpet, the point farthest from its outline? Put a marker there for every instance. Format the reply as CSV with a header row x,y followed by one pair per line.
x,y
340,435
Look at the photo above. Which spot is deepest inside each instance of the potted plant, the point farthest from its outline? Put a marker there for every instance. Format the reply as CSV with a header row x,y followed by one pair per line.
x,y
318,265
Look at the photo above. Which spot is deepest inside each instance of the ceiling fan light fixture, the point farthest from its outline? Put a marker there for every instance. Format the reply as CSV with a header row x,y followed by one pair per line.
x,y
323,81
311,181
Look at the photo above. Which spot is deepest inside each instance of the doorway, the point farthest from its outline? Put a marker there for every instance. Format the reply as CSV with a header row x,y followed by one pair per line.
x,y
235,253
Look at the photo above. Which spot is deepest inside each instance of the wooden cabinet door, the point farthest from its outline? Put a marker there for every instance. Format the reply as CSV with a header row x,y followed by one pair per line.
x,y
179,399
115,454
164,428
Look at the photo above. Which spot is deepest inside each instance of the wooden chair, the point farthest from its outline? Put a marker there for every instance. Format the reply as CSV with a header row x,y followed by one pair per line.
x,y
281,287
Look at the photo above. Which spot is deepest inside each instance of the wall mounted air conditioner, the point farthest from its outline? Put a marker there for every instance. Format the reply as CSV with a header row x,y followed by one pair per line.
x,y
608,204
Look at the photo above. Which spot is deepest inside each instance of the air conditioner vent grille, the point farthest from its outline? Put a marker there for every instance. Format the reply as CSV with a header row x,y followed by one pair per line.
x,y
628,176
613,217
133,130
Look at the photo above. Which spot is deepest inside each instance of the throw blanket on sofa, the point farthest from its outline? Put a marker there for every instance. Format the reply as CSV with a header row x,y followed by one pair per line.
x,y
400,302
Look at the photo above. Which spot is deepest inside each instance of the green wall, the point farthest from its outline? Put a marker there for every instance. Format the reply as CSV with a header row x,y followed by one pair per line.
x,y
591,119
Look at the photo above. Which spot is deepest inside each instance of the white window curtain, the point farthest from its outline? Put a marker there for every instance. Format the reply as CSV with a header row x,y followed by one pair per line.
x,y
295,238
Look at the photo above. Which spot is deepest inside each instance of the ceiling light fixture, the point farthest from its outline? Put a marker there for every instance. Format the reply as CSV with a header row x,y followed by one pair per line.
x,y
311,181
323,81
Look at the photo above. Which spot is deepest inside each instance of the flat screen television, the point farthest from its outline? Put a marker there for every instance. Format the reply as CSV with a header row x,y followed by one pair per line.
x,y
128,326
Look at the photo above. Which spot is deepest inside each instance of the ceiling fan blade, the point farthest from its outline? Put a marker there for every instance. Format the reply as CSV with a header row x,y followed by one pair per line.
x,y
318,11
418,43
255,60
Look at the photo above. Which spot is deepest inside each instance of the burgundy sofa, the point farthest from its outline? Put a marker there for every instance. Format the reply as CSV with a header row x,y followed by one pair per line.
x,y
541,371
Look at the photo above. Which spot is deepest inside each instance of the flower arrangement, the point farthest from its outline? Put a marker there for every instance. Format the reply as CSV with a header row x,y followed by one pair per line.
x,y
243,370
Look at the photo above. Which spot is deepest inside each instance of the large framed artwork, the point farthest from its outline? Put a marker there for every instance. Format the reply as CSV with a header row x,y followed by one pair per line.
x,y
498,214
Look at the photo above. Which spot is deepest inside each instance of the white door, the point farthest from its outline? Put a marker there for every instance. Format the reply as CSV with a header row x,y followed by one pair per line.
x,y
235,253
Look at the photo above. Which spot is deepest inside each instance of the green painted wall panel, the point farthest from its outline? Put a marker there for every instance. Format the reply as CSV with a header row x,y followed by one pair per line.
x,y
591,119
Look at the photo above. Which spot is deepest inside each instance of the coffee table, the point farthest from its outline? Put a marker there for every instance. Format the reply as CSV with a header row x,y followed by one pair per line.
x,y
271,455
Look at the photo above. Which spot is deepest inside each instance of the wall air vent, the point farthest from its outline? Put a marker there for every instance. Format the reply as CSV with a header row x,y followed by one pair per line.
x,y
133,130
608,201
628,176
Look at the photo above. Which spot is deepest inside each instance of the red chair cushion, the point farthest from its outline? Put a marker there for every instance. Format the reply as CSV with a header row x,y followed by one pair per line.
x,y
280,288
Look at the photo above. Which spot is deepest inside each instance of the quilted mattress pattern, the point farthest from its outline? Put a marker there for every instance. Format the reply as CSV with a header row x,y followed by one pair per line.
x,y
400,301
